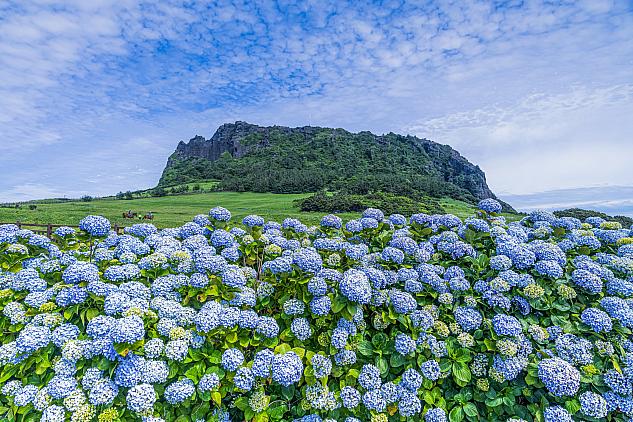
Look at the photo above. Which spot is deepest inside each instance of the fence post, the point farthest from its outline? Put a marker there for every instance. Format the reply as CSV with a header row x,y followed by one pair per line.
x,y
49,230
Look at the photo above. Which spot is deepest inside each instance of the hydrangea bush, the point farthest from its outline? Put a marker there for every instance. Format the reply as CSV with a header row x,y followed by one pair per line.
x,y
377,319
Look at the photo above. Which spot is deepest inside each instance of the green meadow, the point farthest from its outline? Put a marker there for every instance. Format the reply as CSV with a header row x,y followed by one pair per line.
x,y
175,210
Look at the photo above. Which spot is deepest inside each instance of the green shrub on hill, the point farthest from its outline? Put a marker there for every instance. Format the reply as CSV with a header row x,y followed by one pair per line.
x,y
390,203
582,214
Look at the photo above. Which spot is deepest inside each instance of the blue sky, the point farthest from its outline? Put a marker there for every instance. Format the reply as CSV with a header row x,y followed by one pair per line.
x,y
95,95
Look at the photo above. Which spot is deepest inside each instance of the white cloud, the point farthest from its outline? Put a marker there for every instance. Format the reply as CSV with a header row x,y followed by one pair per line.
x,y
84,82
544,142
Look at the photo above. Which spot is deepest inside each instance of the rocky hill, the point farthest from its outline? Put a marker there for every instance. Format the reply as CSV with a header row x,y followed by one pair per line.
x,y
247,157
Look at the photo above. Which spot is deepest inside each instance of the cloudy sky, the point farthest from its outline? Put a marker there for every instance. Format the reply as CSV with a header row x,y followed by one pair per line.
x,y
95,95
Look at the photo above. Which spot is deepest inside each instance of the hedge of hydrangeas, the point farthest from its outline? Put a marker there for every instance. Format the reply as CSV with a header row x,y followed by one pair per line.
x,y
377,319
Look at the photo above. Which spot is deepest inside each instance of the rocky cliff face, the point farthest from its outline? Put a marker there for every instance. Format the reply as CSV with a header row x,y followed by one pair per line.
x,y
240,139
457,169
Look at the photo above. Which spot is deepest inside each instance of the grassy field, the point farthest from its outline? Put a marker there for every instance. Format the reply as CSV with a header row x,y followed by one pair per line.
x,y
172,211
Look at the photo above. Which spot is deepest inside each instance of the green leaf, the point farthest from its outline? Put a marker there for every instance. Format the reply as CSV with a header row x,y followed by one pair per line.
x,y
300,351
288,392
379,340
241,403
530,379
283,348
397,360
494,402
490,344
470,409
456,415
91,313
338,304
261,417
200,412
428,397
122,349
217,398
382,365
461,372
365,348
277,412
572,406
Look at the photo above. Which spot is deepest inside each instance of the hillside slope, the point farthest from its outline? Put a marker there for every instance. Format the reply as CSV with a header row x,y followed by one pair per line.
x,y
247,157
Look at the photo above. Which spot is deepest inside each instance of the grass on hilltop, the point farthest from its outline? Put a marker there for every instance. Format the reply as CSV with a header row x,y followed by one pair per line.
x,y
173,211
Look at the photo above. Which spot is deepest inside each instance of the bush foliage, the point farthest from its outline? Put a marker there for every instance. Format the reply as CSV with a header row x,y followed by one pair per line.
x,y
388,203
379,319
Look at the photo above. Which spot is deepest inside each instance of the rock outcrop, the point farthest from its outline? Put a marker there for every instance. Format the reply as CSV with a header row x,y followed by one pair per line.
x,y
242,139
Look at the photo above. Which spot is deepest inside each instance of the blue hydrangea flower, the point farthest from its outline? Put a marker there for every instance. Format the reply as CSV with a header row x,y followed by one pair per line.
x,y
587,280
404,344
128,330
506,325
208,382
598,320
331,221
391,254
267,326
431,370
177,349
232,359
321,365
618,382
141,398
262,363
95,225
129,371
398,219
307,259
556,414
321,305
244,378
409,404
179,391
435,415
373,400
354,226
253,221
32,338
489,205
53,413
61,386
560,377
155,372
402,302
220,214
287,369
300,327
411,379
350,397
25,395
369,377
468,319
355,286
593,405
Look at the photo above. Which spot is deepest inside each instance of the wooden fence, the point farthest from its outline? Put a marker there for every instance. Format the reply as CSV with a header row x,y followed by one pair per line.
x,y
48,229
